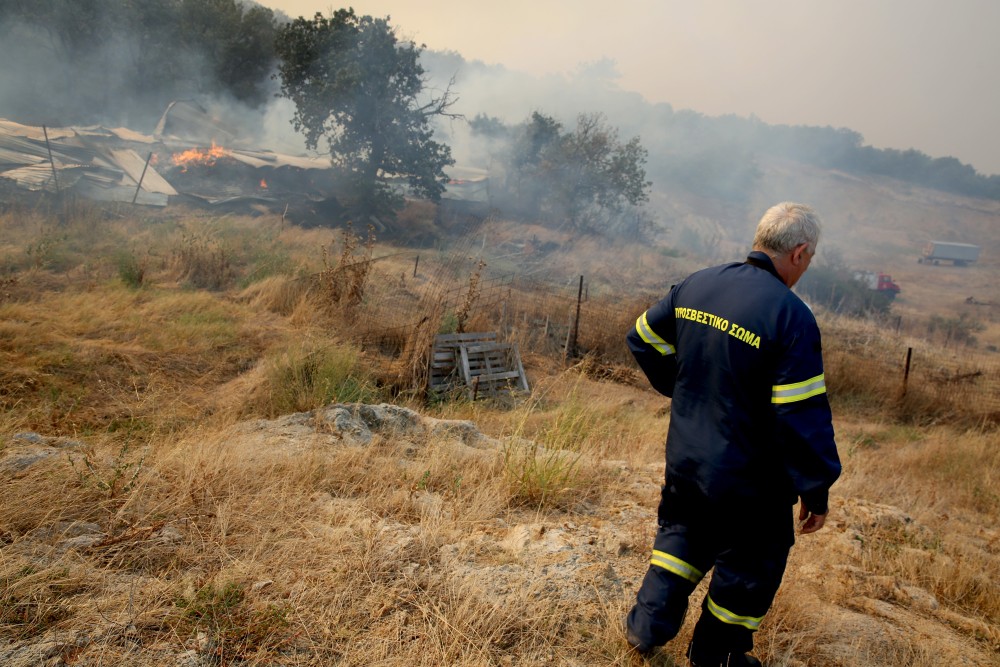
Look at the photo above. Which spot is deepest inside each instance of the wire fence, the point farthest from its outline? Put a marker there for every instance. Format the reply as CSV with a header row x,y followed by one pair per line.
x,y
881,363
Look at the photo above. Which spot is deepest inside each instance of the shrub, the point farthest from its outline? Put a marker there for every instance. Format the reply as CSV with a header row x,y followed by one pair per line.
x,y
131,269
309,376
538,476
235,631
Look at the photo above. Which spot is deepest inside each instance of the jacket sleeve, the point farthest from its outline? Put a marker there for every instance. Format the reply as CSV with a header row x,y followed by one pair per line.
x,y
804,421
652,341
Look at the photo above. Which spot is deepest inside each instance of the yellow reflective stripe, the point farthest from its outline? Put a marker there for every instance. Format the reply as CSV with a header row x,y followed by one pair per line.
x,y
749,622
676,565
789,393
651,337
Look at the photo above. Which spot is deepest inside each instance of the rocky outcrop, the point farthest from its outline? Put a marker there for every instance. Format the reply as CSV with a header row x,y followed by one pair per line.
x,y
357,424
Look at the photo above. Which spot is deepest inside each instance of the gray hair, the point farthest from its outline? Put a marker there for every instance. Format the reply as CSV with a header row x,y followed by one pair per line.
x,y
785,226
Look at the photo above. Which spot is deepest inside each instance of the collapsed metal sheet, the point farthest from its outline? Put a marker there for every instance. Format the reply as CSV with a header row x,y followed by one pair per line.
x,y
134,166
120,193
39,177
109,164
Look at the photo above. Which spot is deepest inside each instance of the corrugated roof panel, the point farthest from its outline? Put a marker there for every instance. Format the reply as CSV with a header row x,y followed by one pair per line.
x,y
122,193
268,159
15,158
9,127
133,165
39,177
126,134
34,177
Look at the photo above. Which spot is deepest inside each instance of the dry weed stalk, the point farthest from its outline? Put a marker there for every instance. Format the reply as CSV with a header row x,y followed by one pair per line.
x,y
471,295
343,284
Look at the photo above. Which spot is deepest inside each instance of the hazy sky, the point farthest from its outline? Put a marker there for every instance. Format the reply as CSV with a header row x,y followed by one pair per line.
x,y
904,73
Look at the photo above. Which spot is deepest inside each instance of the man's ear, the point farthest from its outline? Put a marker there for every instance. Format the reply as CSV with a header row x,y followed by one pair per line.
x,y
797,253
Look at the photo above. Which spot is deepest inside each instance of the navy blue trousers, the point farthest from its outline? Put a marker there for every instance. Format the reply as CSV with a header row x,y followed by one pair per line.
x,y
748,548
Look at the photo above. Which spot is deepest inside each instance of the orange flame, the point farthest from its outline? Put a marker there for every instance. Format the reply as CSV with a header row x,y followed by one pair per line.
x,y
263,184
202,156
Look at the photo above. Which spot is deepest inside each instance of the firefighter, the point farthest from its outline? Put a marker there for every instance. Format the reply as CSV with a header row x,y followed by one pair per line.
x,y
750,435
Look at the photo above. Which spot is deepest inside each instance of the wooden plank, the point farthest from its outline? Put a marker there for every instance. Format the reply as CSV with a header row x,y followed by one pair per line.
x,y
483,359
477,348
520,368
497,377
464,337
466,373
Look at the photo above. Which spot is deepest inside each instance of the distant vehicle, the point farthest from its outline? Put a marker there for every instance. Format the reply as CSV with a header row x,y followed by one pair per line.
x,y
880,282
959,254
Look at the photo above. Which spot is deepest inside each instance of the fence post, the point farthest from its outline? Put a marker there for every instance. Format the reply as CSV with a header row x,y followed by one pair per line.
x,y
571,339
906,369
138,186
416,263
52,161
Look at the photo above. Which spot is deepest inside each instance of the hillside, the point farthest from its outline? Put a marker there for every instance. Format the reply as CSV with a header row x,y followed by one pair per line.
x,y
875,224
212,454
882,225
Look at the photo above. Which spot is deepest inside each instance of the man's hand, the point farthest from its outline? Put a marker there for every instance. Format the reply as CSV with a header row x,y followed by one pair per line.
x,y
809,522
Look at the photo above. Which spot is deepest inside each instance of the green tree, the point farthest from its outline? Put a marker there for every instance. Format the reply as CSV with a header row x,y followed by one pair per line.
x,y
584,176
356,85
237,41
122,60
530,171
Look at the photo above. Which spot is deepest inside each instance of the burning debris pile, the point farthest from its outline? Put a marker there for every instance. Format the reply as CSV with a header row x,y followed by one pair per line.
x,y
181,160
189,157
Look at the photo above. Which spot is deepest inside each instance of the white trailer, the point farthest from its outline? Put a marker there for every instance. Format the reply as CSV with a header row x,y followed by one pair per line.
x,y
960,254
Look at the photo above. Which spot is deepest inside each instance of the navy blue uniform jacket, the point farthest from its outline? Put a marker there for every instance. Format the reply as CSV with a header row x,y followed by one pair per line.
x,y
740,355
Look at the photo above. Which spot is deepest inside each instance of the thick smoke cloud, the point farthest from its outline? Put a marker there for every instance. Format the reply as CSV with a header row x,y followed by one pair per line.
x,y
77,67
112,63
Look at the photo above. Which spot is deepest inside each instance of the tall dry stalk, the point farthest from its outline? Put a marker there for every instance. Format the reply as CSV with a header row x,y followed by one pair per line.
x,y
471,295
343,283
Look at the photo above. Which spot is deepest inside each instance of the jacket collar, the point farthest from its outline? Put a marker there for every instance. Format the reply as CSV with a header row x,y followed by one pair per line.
x,y
762,261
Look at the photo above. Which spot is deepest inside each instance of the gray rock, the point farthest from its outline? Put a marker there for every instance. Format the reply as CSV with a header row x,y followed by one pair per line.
x,y
65,530
23,458
343,419
390,418
168,535
464,431
33,655
79,542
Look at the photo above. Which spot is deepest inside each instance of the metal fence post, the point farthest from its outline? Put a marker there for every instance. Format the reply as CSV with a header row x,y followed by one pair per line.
x,y
571,340
906,369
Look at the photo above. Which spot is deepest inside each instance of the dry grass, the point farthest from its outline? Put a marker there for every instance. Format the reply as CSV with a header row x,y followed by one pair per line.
x,y
167,525
261,554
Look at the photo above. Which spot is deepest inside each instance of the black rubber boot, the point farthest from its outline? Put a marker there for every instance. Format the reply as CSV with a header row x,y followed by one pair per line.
x,y
640,647
708,659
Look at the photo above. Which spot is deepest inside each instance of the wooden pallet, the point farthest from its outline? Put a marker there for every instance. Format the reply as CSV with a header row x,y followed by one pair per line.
x,y
446,359
492,369
476,363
